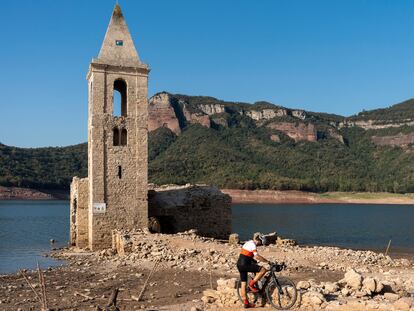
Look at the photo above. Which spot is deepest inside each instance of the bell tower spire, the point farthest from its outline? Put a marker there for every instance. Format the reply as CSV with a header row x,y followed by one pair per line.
x,y
118,47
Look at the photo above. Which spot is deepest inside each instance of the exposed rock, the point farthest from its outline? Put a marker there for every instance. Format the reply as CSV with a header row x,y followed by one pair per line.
x,y
379,286
275,138
271,238
369,285
225,295
375,124
161,113
199,118
303,285
212,108
331,288
336,135
13,193
265,114
353,279
285,242
404,304
313,298
234,239
220,120
297,131
300,114
391,296
400,140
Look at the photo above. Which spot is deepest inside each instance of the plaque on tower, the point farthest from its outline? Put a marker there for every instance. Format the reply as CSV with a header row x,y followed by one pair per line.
x,y
99,208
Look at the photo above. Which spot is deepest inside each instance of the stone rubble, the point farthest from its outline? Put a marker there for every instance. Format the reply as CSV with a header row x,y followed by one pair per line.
x,y
353,292
360,280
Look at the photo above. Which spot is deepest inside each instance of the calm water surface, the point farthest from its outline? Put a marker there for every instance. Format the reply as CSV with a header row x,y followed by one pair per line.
x,y
26,227
366,226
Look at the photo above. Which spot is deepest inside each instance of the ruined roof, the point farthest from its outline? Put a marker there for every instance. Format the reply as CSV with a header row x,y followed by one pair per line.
x,y
118,48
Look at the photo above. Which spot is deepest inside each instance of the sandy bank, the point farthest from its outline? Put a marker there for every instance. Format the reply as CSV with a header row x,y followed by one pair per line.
x,y
300,197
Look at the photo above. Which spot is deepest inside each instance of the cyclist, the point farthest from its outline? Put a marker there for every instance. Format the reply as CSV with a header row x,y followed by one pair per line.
x,y
247,262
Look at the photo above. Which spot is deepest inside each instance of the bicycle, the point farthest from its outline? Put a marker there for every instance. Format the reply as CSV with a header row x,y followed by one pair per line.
x,y
281,292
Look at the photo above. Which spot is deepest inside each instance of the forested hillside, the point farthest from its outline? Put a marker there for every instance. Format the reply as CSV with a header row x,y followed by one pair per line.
x,y
237,149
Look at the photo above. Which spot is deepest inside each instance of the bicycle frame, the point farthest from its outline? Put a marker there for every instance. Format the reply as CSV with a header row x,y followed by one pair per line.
x,y
267,278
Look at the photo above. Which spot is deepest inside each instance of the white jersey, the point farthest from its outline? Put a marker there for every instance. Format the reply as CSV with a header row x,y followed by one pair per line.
x,y
249,249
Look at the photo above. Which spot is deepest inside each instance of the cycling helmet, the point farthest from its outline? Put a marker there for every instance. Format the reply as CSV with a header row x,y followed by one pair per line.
x,y
261,238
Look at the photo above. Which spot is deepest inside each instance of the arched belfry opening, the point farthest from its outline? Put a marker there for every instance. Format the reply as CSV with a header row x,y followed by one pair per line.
x,y
120,98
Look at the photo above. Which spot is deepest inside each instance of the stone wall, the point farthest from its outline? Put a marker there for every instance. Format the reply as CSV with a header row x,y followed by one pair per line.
x,y
79,194
181,208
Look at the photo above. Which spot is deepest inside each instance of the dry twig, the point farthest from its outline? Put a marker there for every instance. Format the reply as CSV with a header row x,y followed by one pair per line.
x,y
146,281
83,295
31,286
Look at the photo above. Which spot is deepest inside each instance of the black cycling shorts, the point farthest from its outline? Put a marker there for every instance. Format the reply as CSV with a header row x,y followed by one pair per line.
x,y
244,268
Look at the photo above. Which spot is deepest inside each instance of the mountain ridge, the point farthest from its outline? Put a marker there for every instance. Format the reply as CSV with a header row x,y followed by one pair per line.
x,y
248,146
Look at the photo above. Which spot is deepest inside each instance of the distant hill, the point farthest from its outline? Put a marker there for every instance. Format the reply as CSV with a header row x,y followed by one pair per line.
x,y
248,146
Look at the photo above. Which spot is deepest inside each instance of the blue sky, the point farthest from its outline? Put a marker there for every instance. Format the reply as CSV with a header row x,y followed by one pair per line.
x,y
331,56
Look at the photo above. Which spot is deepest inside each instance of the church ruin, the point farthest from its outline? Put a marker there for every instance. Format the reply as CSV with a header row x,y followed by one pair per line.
x,y
114,196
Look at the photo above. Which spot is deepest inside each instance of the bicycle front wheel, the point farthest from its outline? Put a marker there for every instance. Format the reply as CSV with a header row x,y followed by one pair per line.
x,y
282,294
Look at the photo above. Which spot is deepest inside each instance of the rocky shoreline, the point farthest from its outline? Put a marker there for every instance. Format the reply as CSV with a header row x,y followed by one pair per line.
x,y
189,269
238,196
17,193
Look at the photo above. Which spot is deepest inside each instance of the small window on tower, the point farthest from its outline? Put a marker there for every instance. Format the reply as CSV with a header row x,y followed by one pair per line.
x,y
120,172
119,42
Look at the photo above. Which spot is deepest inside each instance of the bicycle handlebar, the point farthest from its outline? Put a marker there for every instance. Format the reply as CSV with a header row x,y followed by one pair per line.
x,y
277,267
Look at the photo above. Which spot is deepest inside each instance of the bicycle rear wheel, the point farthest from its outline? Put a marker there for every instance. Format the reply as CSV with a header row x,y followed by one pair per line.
x,y
282,296
251,297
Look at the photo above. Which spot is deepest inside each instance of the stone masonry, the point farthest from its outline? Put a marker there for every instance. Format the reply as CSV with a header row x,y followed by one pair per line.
x,y
201,207
79,212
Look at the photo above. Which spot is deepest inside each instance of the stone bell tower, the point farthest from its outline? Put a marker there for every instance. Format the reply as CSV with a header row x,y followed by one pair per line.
x,y
117,144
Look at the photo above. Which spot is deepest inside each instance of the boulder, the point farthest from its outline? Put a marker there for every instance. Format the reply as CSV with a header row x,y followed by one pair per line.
x,y
404,304
271,238
331,288
353,279
369,285
303,285
379,287
313,298
234,239
345,292
285,242
226,283
391,296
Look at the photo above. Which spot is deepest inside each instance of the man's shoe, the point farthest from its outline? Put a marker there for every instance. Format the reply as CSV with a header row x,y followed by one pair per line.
x,y
247,304
252,287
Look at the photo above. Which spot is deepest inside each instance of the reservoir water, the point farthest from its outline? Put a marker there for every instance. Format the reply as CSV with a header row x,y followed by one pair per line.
x,y
26,227
357,226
